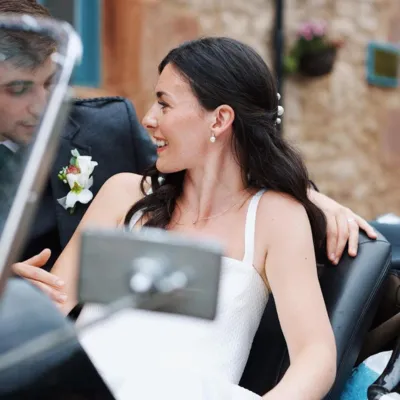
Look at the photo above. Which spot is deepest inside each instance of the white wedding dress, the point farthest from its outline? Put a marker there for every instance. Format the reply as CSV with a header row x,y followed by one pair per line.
x,y
150,355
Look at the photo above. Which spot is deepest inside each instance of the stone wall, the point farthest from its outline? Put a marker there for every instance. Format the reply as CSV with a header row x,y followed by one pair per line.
x,y
341,124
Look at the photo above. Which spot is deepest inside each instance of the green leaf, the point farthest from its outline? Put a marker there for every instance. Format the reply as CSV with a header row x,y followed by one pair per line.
x,y
62,175
75,152
290,64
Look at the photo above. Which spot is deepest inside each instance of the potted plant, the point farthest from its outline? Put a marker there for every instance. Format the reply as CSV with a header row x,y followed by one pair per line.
x,y
313,54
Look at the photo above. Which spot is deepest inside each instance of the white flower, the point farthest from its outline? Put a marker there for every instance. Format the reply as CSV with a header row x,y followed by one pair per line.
x,y
79,179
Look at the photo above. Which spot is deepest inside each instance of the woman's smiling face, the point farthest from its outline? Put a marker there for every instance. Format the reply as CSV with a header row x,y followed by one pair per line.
x,y
177,123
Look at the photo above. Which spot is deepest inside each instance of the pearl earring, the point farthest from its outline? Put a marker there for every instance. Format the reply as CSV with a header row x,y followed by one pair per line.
x,y
213,138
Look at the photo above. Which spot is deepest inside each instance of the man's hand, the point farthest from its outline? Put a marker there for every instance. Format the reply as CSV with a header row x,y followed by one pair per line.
x,y
49,283
343,226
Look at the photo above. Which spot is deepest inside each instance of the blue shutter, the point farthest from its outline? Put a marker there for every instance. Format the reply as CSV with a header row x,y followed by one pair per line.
x,y
88,25
87,22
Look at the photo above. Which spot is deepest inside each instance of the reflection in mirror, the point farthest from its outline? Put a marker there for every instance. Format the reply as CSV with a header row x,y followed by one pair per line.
x,y
37,59
27,72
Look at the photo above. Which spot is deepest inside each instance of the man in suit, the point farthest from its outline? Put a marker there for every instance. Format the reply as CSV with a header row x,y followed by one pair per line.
x,y
106,129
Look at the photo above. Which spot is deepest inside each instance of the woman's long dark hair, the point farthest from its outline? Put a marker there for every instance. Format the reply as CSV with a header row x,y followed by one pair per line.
x,y
224,71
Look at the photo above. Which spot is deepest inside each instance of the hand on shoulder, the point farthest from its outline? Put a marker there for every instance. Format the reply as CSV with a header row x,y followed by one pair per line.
x,y
343,226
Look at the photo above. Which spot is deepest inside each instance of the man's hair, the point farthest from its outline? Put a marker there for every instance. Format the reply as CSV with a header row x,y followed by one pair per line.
x,y
30,7
24,49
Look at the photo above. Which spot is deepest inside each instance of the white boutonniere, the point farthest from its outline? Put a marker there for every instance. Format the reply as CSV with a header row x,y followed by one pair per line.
x,y
78,176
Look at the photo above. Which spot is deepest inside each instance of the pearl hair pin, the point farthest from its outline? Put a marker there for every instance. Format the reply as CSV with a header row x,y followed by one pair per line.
x,y
280,111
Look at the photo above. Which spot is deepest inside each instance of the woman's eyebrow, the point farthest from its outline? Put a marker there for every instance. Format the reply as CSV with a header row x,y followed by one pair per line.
x,y
161,93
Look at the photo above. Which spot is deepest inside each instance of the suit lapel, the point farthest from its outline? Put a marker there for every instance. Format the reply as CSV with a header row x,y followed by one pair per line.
x,y
70,140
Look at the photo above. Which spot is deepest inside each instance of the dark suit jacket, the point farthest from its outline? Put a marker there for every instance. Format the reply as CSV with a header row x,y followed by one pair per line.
x,y
106,129
11,169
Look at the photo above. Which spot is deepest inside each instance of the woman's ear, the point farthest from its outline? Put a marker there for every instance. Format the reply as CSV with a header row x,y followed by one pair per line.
x,y
222,120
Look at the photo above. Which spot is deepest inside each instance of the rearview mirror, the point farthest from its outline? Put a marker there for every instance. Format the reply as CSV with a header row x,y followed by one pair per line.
x,y
37,58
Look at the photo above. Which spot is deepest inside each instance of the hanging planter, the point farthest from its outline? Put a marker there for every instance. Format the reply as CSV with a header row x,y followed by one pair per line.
x,y
313,54
317,63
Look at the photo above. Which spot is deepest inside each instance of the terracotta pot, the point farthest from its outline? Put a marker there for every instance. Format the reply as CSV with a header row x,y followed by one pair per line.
x,y
317,63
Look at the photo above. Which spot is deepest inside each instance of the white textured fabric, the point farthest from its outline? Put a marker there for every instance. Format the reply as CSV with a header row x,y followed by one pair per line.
x,y
151,355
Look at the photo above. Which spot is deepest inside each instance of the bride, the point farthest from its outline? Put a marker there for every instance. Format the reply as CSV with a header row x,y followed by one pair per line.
x,y
228,175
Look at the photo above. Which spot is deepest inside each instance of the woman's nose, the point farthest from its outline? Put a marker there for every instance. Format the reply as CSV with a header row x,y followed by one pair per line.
x,y
150,122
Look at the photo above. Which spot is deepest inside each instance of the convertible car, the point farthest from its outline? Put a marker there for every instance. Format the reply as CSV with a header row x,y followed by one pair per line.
x,y
40,354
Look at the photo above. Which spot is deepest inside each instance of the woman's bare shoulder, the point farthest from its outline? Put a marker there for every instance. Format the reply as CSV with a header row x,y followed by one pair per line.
x,y
284,233
280,211
123,183
117,195
273,201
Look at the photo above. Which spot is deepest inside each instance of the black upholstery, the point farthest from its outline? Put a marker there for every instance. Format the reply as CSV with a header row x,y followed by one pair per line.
x,y
65,373
351,291
392,234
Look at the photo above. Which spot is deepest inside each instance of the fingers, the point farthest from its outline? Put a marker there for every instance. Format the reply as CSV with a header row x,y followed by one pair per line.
x,y
354,232
341,229
37,274
55,294
342,235
355,223
366,227
39,259
344,227
332,233
49,283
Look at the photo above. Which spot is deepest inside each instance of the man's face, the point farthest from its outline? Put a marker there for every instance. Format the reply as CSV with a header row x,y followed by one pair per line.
x,y
23,97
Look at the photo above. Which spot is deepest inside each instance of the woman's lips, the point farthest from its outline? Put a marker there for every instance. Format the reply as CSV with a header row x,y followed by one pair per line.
x,y
160,149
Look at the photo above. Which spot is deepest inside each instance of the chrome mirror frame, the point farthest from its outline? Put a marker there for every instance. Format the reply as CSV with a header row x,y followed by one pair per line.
x,y
38,164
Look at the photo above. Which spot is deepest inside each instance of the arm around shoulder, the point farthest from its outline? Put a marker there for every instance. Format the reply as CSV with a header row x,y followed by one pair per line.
x,y
292,274
107,210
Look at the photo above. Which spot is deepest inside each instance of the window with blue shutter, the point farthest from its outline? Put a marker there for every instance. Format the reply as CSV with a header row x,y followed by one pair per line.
x,y
85,17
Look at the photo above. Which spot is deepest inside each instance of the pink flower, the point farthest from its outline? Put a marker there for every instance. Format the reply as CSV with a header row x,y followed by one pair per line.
x,y
308,35
305,31
319,28
310,29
